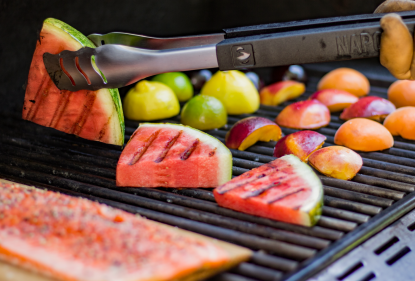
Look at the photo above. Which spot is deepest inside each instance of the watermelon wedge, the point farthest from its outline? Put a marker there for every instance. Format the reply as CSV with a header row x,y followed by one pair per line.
x,y
93,115
172,155
285,189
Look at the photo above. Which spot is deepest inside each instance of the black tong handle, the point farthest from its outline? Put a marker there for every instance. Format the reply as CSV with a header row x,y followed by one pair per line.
x,y
320,40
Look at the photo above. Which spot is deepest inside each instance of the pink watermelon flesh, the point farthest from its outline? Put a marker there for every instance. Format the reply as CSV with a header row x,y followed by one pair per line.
x,y
285,190
88,114
167,155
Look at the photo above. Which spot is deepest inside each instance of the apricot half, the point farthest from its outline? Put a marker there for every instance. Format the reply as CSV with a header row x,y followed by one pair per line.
x,y
336,161
301,144
346,79
309,114
402,122
334,99
374,108
363,135
402,93
280,92
248,131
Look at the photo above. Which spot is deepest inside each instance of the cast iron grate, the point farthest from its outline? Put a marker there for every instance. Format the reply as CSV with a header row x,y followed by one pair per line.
x,y
386,256
353,211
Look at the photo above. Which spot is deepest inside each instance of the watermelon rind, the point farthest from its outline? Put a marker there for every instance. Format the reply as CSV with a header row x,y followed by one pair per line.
x,y
312,208
225,160
85,42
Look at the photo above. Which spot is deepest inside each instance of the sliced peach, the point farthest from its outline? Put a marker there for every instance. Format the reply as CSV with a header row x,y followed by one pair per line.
x,y
337,162
248,131
402,93
401,122
334,99
301,144
346,79
374,108
363,135
309,114
280,92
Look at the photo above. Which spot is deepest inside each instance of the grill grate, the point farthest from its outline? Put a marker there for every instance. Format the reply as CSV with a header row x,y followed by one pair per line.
x,y
353,210
386,256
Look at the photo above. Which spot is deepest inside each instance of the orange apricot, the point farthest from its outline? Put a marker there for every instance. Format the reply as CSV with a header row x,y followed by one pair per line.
x,y
401,122
363,135
402,93
345,79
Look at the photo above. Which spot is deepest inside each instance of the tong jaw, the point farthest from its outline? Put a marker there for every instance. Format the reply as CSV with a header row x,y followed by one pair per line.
x,y
74,71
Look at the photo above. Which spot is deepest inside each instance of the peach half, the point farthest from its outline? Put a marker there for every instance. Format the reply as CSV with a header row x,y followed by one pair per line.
x,y
280,92
402,93
248,131
346,79
301,144
401,122
363,135
374,108
334,99
309,114
337,162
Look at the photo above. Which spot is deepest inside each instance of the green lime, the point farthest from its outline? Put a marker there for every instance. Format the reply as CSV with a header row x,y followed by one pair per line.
x,y
204,113
178,82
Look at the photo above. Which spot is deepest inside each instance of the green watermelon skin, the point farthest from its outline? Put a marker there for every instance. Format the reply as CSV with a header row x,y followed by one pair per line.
x,y
93,115
285,189
172,155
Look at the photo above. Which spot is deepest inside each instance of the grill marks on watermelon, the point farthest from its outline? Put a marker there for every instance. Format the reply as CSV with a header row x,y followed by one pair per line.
x,y
167,147
89,114
141,150
159,155
186,154
285,189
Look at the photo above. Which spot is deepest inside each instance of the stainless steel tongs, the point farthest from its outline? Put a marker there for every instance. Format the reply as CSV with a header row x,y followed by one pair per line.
x,y
121,59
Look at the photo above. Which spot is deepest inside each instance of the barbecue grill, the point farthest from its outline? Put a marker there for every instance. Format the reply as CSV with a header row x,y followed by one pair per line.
x,y
353,211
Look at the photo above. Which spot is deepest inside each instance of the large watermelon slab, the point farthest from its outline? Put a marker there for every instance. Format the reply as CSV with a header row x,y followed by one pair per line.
x,y
172,155
93,115
285,189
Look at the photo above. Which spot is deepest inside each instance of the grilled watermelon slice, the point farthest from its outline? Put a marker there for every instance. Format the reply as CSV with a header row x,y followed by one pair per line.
x,y
285,189
93,115
172,155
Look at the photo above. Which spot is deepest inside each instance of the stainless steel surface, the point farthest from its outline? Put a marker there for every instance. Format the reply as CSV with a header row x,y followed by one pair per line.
x,y
154,43
386,256
123,65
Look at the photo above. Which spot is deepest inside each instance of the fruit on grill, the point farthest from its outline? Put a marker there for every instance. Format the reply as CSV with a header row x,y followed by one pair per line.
x,y
402,122
336,161
255,79
178,82
150,101
172,155
374,108
204,113
402,93
93,115
301,144
237,93
70,238
248,131
309,114
346,79
285,189
335,100
363,135
199,78
280,92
